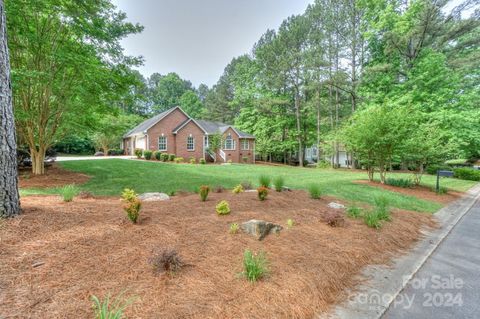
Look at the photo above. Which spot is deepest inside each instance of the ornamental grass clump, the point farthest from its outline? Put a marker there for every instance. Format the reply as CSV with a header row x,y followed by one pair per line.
x,y
278,183
255,266
203,191
262,192
265,181
238,189
110,309
132,204
222,208
354,212
68,192
381,208
372,219
315,191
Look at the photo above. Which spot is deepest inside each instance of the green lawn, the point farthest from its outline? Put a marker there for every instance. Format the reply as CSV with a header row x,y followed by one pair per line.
x,y
110,177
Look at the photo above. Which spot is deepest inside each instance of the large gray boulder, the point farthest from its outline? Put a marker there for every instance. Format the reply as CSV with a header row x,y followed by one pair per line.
x,y
260,228
153,197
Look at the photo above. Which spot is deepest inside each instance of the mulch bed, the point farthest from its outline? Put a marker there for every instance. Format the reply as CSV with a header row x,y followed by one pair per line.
x,y
421,192
88,248
54,177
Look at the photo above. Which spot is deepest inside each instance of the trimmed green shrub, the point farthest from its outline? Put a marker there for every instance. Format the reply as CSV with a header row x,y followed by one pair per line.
x,y
234,228
238,189
138,152
265,181
171,157
315,191
245,159
255,266
432,169
468,174
202,161
229,161
203,191
147,154
178,160
108,309
354,212
262,192
222,208
68,192
157,155
132,204
278,183
399,182
164,157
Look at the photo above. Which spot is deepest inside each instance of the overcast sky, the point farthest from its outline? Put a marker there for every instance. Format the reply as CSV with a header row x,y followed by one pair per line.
x,y
198,38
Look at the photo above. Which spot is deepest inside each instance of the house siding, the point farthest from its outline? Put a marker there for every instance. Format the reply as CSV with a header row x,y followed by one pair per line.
x,y
247,153
165,126
232,155
190,129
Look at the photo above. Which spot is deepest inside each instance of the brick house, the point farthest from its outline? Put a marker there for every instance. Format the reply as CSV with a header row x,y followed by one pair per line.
x,y
175,132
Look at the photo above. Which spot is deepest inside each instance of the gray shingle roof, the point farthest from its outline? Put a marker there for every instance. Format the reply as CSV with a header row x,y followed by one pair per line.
x,y
145,125
214,127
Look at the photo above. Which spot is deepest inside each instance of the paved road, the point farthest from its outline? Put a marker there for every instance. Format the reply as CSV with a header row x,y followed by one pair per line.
x,y
448,284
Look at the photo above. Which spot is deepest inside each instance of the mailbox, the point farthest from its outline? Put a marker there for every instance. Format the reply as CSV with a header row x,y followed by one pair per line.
x,y
443,174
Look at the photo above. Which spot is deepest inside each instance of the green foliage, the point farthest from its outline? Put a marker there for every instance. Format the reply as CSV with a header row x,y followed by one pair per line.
x,y
192,160
323,164
265,181
132,204
315,191
215,142
75,144
171,157
245,159
468,174
234,228
222,208
110,309
203,191
262,193
399,182
147,154
157,155
255,266
441,191
164,157
192,105
238,189
434,168
138,152
457,162
278,183
68,192
290,223
202,161
382,207
354,212
178,160
372,219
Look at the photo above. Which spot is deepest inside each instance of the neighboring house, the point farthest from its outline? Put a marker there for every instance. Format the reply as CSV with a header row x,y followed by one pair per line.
x,y
175,132
312,153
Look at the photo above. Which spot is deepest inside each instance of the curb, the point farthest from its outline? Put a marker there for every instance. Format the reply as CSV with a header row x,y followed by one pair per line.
x,y
385,283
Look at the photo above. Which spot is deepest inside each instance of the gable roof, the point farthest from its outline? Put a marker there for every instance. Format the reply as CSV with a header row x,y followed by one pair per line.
x,y
145,125
214,127
184,123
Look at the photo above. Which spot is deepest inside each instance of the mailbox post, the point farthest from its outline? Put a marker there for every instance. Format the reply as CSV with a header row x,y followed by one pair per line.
x,y
444,174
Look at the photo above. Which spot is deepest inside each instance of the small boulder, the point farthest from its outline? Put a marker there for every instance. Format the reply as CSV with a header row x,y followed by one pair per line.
x,y
286,189
153,197
260,228
336,205
99,154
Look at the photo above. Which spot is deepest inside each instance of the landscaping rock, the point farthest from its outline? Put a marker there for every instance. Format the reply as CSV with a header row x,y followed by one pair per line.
x,y
260,228
99,154
286,189
336,205
153,197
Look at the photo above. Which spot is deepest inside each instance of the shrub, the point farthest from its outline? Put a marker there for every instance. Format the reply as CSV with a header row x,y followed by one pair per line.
x,y
245,159
234,228
202,161
204,190
372,219
399,182
115,152
229,161
432,169
138,152
315,191
334,219
166,260
468,174
132,204
255,266
178,160
147,154
381,208
171,157
262,192
323,164
68,192
457,162
157,155
290,223
164,157
171,193
192,160
279,182
265,181
107,309
222,208
246,185
238,189
219,189
354,212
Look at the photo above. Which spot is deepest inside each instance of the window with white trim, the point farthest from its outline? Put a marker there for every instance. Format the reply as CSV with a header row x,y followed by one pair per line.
x,y
205,141
229,144
190,143
245,145
162,143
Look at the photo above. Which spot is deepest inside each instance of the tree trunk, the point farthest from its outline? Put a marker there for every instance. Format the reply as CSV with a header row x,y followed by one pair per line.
x,y
299,136
9,197
318,125
38,161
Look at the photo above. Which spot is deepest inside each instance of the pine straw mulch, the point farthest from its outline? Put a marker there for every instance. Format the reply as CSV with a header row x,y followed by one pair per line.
x,y
420,192
54,177
88,248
